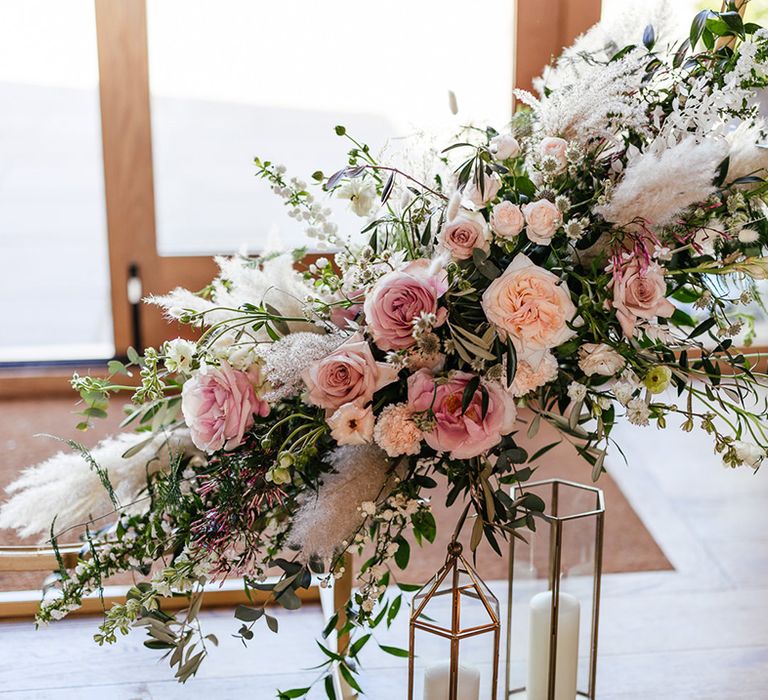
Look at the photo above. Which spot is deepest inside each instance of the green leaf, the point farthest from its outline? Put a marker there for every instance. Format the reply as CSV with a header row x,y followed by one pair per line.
x,y
329,689
409,587
702,327
349,678
469,393
330,626
271,622
394,608
394,651
293,693
403,553
359,644
697,27
246,614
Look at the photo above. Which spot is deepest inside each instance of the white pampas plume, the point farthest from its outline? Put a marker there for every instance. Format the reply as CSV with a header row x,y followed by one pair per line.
x,y
749,151
241,280
656,187
331,516
67,488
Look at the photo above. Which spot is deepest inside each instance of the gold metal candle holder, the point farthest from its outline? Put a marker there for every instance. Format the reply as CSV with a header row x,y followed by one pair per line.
x,y
460,581
575,518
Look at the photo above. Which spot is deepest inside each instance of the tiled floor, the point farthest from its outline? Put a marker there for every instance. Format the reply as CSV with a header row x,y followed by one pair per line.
x,y
699,632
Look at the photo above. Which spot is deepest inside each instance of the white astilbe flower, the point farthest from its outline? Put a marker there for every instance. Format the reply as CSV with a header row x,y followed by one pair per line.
x,y
656,188
66,487
243,281
286,359
329,518
748,150
598,102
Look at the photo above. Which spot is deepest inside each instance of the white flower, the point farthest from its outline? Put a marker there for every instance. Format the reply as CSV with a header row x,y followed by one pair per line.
x,y
638,411
504,146
748,235
361,196
599,358
625,388
576,391
179,354
368,508
351,424
749,453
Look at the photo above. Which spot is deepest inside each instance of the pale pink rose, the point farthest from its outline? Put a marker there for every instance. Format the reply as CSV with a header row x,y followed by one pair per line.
x,y
465,233
528,378
349,373
599,358
463,434
481,196
218,404
398,298
543,219
507,219
504,146
555,147
352,424
531,306
639,293
340,316
395,431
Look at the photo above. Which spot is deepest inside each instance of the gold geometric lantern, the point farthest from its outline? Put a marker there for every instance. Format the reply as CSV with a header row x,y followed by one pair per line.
x,y
456,585
555,578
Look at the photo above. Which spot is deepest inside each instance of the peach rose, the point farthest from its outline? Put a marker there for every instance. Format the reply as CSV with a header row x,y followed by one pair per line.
x,y
639,293
555,147
543,219
349,373
531,306
465,233
479,197
507,219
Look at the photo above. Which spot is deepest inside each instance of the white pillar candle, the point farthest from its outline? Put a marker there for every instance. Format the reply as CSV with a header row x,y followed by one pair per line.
x,y
567,657
437,682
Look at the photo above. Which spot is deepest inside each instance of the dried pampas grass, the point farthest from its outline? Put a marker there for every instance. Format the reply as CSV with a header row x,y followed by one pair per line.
x,y
657,187
333,514
67,488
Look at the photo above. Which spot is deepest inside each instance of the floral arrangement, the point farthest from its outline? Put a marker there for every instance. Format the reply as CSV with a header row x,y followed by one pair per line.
x,y
591,262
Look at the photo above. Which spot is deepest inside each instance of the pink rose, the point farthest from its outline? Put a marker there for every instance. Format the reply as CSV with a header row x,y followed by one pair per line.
x,y
465,233
340,315
543,219
555,147
479,196
218,406
401,296
347,374
639,293
504,146
507,219
463,434
531,306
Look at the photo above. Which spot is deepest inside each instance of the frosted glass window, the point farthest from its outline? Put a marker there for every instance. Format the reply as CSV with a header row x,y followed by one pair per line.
x,y
244,78
54,273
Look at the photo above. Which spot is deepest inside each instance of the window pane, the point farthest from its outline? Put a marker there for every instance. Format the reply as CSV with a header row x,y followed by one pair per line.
x,y
272,79
54,285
